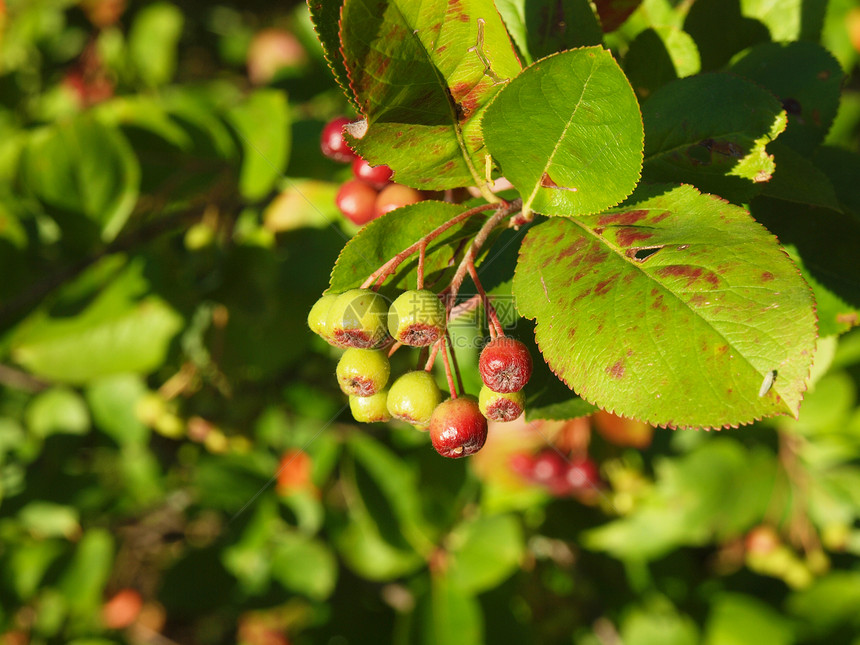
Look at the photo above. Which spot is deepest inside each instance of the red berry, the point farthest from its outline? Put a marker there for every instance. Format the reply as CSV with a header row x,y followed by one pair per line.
x,y
522,464
548,468
357,201
582,475
376,176
505,365
457,428
332,143
394,196
122,609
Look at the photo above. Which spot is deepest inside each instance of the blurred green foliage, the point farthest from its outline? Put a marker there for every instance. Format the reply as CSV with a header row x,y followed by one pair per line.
x,y
169,425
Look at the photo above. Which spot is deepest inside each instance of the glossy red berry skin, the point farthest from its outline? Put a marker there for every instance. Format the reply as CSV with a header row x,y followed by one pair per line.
x,y
457,428
376,176
505,365
394,196
357,201
332,143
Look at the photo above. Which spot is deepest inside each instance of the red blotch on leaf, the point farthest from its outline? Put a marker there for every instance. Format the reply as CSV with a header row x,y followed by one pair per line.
x,y
626,218
617,370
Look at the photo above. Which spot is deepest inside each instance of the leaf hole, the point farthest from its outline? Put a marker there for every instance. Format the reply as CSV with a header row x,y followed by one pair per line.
x,y
642,253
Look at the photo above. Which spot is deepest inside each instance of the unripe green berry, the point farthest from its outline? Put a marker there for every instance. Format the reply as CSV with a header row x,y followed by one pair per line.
x,y
357,319
363,372
417,318
501,406
413,397
370,409
318,316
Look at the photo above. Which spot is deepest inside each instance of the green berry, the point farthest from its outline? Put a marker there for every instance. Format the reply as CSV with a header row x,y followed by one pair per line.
x,y
363,372
417,318
413,397
318,316
501,406
370,409
357,319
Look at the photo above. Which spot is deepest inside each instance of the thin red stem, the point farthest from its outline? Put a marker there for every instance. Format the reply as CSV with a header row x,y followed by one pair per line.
x,y
432,359
391,265
448,373
422,252
450,346
394,348
493,324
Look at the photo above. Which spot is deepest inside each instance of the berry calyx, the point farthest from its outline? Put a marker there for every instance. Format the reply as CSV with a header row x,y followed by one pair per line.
x,y
457,428
370,409
318,316
417,318
413,397
332,143
362,372
394,196
376,176
358,319
357,201
500,406
505,365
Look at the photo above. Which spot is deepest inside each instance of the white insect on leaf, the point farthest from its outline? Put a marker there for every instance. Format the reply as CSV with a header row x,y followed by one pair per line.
x,y
767,383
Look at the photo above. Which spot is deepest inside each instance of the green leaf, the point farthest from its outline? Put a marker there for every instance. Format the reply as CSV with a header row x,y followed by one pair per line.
x,y
719,151
28,562
738,619
325,16
304,565
421,89
797,179
842,168
369,554
811,232
671,310
385,237
57,410
805,78
830,602
84,580
91,183
262,123
787,19
153,40
658,56
553,26
567,133
117,332
112,400
47,519
447,615
658,624
736,32
483,552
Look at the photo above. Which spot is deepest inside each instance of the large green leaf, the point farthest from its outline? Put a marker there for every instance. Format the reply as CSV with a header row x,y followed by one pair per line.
x,y
85,173
417,71
674,309
385,237
483,552
567,133
262,122
121,330
805,78
719,151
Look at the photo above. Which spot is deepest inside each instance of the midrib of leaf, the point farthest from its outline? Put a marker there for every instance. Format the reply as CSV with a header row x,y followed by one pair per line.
x,y
641,269
452,112
527,203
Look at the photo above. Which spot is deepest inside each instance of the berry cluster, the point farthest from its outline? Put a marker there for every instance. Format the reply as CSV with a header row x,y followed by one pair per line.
x,y
371,193
360,321
560,476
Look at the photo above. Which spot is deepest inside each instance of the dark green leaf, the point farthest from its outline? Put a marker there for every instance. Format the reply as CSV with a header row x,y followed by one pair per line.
x,y
658,56
796,179
325,15
736,32
418,74
671,310
805,78
566,132
556,25
719,151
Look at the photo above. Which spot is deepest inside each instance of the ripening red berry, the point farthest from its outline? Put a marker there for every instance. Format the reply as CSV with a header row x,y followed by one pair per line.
x,y
457,428
122,609
376,176
394,196
548,468
582,475
505,365
357,201
332,143
522,464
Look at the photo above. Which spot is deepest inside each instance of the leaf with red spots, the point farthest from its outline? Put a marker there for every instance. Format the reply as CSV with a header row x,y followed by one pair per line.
x,y
567,133
421,74
671,309
325,15
720,151
383,238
